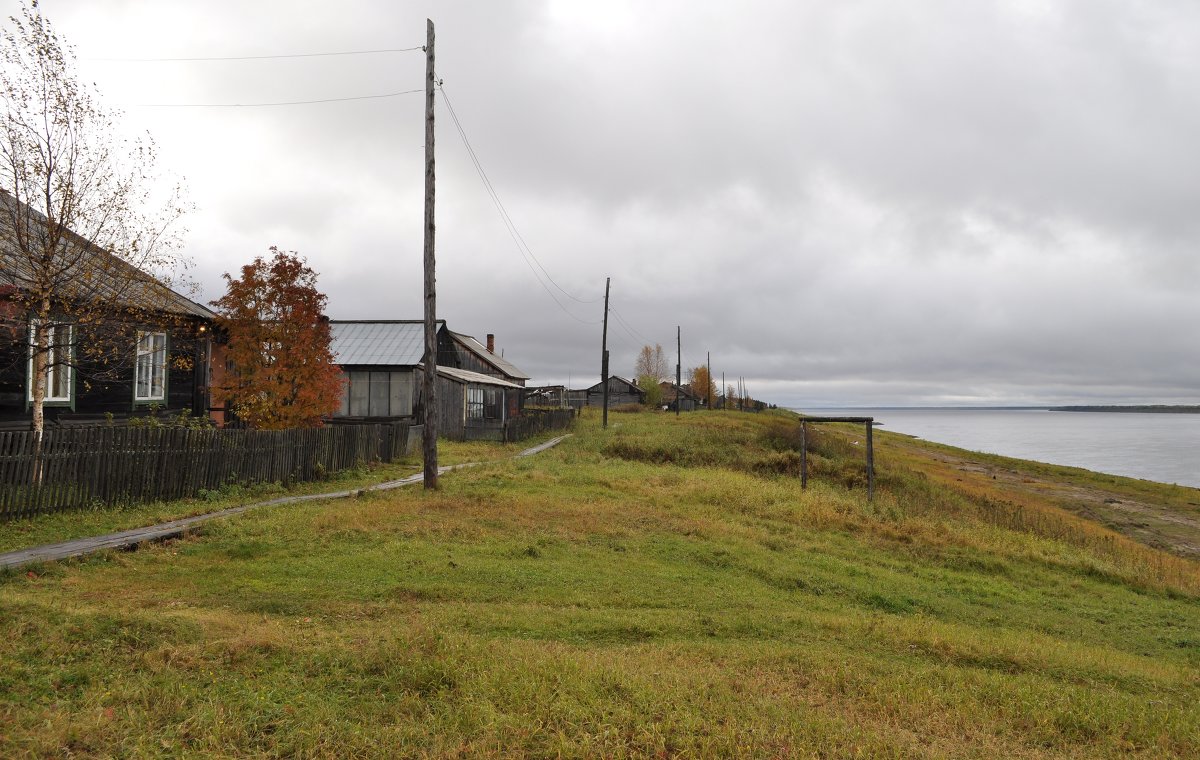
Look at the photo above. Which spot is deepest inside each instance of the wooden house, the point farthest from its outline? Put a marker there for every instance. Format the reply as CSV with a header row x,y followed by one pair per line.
x,y
164,370
464,352
381,362
682,395
621,392
147,349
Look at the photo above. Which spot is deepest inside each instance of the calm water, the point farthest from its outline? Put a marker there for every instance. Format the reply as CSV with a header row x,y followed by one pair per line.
x,y
1162,447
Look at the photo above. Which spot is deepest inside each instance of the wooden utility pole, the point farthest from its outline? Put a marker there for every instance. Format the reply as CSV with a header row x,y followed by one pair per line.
x,y
724,394
429,430
678,369
604,353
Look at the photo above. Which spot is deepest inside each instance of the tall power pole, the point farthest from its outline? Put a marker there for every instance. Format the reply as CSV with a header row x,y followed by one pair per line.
x,y
429,431
678,369
604,353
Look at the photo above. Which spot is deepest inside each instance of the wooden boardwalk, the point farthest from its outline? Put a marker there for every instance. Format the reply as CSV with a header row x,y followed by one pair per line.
x,y
130,538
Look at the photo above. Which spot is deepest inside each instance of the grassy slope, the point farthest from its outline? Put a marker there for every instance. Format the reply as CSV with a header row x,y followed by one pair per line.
x,y
52,528
656,588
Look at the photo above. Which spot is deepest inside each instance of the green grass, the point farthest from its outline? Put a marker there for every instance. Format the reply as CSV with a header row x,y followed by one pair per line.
x,y
660,588
64,526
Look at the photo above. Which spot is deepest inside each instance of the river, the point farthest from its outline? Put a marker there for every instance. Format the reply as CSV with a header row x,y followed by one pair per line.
x,y
1160,447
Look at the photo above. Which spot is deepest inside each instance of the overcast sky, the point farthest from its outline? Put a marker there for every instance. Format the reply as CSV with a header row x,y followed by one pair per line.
x,y
856,203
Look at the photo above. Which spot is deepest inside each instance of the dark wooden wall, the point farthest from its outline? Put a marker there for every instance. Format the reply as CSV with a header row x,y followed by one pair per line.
x,y
105,386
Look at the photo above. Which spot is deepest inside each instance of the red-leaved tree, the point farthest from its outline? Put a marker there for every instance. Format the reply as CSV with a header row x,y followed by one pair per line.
x,y
281,369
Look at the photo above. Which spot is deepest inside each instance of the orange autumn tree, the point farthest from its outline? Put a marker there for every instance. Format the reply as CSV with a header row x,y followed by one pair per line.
x,y
281,368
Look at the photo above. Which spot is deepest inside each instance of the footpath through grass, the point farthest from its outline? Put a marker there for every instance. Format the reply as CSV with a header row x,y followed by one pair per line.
x,y
660,588
64,526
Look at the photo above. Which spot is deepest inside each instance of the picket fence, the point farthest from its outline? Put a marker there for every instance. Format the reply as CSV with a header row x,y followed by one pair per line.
x,y
115,466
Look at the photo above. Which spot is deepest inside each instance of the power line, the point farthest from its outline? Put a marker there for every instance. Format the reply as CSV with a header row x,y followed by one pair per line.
x,y
280,103
519,239
516,233
626,328
259,57
513,232
629,328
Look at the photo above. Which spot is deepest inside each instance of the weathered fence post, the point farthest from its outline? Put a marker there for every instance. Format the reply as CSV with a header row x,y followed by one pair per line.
x,y
803,454
870,460
869,422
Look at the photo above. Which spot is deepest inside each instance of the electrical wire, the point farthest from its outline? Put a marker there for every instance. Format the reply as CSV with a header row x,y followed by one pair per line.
x,y
628,327
258,57
518,238
627,330
267,105
526,254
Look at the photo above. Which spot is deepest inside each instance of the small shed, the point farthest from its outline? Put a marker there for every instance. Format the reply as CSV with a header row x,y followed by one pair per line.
x,y
379,360
473,406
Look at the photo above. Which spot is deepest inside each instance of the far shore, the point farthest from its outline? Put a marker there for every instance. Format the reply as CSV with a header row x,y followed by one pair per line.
x,y
1137,408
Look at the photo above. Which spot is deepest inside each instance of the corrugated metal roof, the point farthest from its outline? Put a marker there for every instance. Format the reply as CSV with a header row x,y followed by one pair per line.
x,y
497,361
384,343
467,376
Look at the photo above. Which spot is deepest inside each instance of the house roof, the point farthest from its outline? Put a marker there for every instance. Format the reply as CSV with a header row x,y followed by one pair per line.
x,y
109,277
675,390
378,342
497,361
474,378
598,387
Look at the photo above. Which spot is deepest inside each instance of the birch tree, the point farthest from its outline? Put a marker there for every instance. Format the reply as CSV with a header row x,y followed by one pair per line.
x,y
88,233
651,362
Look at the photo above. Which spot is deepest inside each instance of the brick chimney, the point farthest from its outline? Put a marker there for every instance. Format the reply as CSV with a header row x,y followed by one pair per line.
x,y
491,343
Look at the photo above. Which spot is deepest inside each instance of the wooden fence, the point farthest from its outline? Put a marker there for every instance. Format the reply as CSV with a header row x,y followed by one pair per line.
x,y
95,466
534,421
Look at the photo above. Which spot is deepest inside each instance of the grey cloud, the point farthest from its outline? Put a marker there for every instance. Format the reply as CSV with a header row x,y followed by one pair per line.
x,y
905,202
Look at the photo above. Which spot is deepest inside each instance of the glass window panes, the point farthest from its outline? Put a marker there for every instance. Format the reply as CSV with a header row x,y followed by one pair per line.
x,y
474,403
151,372
58,358
401,393
360,390
344,408
379,394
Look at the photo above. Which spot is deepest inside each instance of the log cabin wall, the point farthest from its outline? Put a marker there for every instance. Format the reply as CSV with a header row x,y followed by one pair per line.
x,y
104,386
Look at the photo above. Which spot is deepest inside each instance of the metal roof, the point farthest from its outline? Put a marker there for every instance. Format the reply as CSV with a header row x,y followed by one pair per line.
x,y
497,361
477,378
382,343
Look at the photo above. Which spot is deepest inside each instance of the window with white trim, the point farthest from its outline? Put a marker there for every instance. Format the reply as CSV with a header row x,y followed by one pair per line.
x,y
58,361
151,374
474,403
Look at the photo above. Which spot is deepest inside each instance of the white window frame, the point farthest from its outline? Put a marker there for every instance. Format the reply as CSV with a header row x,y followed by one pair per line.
x,y
473,400
54,366
154,370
